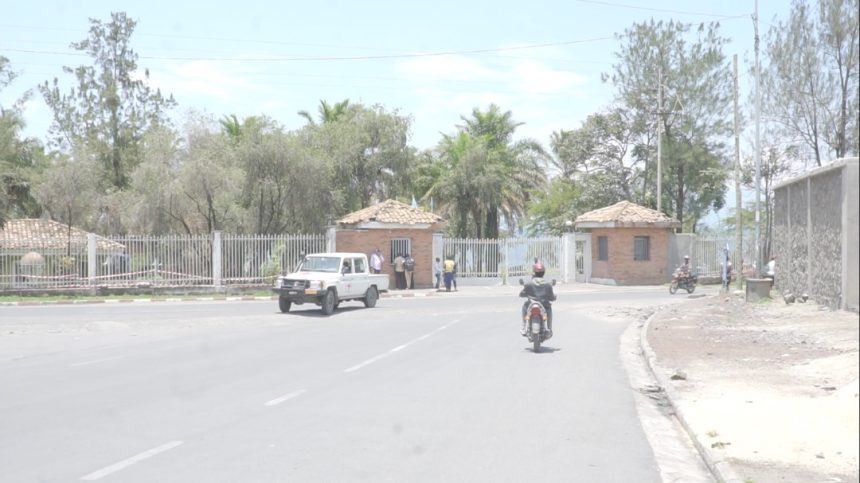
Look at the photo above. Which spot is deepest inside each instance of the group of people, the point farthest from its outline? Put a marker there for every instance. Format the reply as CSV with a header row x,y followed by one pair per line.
x,y
404,268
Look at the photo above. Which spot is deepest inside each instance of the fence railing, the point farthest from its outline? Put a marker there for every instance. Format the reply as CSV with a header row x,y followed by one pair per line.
x,y
504,257
166,260
708,253
255,260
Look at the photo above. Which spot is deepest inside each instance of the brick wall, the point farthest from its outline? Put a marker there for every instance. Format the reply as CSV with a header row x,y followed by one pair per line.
x,y
366,241
620,266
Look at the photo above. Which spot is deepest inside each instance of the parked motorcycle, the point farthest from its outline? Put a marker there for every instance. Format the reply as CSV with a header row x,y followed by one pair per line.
x,y
537,330
683,281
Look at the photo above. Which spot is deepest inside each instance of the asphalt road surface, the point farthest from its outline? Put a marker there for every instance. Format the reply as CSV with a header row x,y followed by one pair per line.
x,y
439,388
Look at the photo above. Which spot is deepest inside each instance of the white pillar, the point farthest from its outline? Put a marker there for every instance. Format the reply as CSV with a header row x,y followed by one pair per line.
x,y
91,258
216,259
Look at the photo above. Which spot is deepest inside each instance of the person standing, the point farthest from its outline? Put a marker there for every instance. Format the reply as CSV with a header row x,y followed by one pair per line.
x,y
454,275
448,272
437,270
400,271
376,261
771,271
409,266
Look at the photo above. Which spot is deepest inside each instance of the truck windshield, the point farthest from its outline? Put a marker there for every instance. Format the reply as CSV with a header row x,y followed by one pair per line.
x,y
320,264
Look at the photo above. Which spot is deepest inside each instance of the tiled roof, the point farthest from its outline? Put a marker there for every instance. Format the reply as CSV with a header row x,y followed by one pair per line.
x,y
391,211
626,213
35,234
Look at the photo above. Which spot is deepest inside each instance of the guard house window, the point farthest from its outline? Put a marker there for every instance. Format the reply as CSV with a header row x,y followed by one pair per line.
x,y
641,248
400,246
602,248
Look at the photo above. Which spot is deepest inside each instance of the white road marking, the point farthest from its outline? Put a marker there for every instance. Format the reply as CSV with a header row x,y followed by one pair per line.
x,y
95,361
398,348
285,397
130,461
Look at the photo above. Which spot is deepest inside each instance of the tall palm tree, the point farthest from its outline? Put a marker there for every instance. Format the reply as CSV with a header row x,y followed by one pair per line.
x,y
512,169
327,112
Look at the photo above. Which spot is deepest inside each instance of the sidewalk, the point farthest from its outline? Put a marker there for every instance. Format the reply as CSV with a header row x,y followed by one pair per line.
x,y
767,391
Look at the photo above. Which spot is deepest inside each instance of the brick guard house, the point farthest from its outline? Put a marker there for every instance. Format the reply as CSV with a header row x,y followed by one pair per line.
x,y
629,244
393,227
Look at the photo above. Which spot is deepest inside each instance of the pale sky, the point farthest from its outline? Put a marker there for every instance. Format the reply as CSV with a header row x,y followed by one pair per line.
x,y
434,61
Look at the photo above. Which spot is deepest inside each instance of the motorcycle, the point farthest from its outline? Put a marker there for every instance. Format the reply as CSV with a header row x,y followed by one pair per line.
x,y
537,330
680,280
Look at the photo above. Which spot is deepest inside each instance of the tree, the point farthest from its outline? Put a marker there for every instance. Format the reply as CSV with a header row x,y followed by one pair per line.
x,y
66,191
810,80
368,150
509,171
594,170
775,163
112,106
695,84
327,112
20,158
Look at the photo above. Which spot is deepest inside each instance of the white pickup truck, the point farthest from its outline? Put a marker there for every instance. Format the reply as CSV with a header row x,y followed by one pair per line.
x,y
327,279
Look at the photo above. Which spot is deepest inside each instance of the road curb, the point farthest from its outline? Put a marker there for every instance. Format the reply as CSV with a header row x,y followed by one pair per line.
x,y
720,468
36,303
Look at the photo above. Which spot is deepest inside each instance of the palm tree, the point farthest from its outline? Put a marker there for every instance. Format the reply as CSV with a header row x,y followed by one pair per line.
x,y
327,112
231,126
511,170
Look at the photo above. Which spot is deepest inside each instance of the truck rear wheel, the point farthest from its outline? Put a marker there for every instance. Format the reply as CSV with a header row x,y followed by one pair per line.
x,y
371,297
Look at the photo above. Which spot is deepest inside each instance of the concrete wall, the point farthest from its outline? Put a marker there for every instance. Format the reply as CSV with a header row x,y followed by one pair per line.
x,y
621,268
815,234
366,241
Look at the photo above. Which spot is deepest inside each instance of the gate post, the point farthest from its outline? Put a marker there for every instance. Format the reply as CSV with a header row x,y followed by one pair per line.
x,y
565,257
216,259
504,261
91,259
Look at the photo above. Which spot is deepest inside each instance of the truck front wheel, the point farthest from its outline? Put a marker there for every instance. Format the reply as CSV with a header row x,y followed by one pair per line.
x,y
329,302
284,304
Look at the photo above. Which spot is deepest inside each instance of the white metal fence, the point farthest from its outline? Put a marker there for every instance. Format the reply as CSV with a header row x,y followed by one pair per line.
x,y
708,252
504,257
167,260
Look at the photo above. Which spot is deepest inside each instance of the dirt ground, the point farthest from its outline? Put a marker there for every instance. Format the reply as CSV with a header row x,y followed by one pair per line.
x,y
771,387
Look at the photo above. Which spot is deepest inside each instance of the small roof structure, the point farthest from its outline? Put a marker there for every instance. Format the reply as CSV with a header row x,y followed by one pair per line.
x,y
34,234
388,213
625,214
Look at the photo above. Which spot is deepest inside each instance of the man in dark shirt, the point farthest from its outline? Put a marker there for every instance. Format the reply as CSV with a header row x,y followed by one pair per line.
x,y
539,289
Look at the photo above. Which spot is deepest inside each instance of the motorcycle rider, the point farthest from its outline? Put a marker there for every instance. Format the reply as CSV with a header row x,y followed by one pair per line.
x,y
538,289
685,268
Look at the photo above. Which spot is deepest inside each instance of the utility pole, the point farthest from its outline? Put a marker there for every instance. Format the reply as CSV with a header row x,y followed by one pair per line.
x,y
739,229
757,150
659,137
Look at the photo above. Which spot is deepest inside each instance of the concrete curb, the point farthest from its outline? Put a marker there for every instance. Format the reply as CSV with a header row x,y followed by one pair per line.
x,y
721,468
190,298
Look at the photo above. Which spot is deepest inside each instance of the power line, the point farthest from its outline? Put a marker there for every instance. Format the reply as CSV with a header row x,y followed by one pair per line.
x,y
663,10
335,58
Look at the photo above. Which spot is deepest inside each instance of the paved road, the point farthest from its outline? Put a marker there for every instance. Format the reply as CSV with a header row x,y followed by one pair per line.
x,y
437,388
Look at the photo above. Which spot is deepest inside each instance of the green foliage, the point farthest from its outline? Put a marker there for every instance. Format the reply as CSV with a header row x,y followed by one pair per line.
x,y
481,178
20,158
112,106
810,78
695,86
553,212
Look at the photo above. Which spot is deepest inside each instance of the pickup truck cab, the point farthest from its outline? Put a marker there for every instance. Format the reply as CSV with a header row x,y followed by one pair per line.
x,y
327,279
